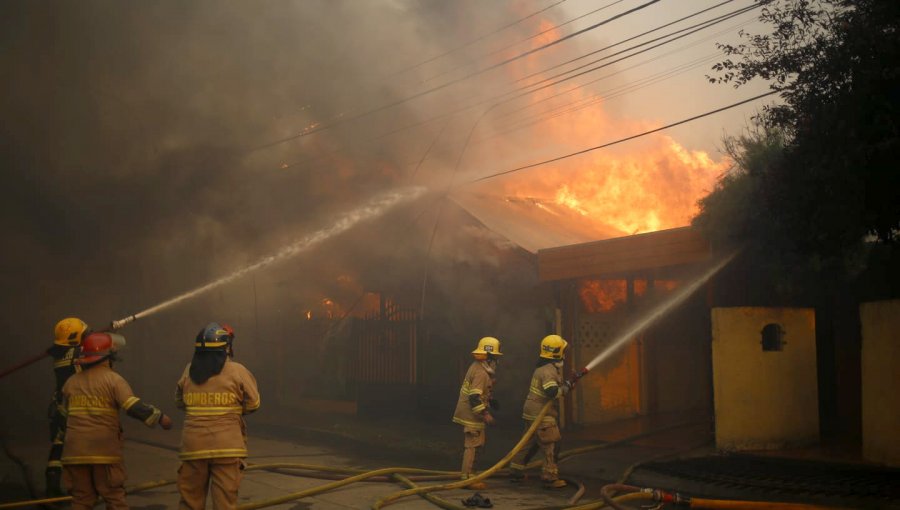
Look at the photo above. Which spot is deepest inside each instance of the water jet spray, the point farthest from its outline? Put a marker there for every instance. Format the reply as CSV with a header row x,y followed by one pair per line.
x,y
652,316
374,208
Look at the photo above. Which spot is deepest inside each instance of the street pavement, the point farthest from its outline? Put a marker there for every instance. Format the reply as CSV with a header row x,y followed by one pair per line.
x,y
152,455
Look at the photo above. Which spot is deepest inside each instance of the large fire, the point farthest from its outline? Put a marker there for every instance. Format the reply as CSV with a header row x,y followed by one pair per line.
x,y
648,184
607,295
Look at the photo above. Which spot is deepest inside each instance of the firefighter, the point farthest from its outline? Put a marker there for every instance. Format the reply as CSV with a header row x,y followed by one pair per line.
x,y
67,336
473,409
547,384
215,393
92,398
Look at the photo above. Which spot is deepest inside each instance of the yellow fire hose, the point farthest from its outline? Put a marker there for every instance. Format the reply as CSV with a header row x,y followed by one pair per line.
x,y
594,447
477,478
443,503
432,474
63,499
396,473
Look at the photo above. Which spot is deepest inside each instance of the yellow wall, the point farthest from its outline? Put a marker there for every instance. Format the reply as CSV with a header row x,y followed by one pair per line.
x,y
764,400
881,381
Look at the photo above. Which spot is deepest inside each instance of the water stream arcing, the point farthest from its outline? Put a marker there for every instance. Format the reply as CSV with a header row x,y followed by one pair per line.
x,y
372,209
660,311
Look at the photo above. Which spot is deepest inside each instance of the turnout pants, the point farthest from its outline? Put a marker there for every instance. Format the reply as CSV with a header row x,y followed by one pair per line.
x,y
545,438
53,473
474,439
221,477
57,424
87,482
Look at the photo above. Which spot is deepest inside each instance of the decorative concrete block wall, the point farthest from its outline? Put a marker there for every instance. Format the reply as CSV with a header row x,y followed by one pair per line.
x,y
765,388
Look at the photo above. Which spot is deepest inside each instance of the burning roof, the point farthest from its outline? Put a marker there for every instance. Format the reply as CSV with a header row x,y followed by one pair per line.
x,y
534,223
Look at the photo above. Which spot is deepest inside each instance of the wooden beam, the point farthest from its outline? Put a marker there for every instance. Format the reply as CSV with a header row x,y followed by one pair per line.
x,y
623,254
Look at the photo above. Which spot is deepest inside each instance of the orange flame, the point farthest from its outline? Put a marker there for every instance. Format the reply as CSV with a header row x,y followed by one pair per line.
x,y
602,295
605,295
644,185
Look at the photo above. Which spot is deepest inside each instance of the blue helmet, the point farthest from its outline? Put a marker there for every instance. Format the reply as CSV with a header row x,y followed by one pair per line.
x,y
214,337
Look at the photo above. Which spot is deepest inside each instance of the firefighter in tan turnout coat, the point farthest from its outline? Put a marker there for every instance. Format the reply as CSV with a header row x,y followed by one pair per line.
x,y
66,347
92,398
547,384
475,402
215,393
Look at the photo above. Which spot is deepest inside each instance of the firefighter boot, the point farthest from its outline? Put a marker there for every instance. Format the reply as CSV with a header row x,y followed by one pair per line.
x,y
554,484
516,474
53,477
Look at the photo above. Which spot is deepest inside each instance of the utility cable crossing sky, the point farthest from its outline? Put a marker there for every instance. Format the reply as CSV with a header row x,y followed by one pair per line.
x,y
627,138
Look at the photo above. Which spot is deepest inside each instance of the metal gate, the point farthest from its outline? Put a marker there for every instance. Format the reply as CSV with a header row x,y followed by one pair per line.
x,y
385,343
613,391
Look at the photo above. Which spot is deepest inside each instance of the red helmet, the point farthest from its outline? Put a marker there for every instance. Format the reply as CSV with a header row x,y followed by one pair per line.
x,y
98,346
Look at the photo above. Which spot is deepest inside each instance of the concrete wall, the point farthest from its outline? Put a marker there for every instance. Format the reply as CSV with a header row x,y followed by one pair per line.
x,y
764,399
881,381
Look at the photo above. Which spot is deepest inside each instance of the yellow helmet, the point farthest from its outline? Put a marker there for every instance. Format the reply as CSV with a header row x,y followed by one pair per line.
x,y
553,347
69,332
487,345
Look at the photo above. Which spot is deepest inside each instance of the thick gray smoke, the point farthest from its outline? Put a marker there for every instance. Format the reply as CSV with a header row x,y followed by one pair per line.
x,y
134,149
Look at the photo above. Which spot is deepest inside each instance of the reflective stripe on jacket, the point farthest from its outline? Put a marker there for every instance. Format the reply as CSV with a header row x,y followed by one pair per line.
x,y
478,381
214,425
544,377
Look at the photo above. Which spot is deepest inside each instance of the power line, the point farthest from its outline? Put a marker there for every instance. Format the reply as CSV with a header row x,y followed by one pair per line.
x,y
619,91
645,62
627,40
480,38
632,137
604,96
696,28
523,90
554,27
447,84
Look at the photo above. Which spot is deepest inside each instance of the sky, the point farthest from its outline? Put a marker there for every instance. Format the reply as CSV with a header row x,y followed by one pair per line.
x,y
689,93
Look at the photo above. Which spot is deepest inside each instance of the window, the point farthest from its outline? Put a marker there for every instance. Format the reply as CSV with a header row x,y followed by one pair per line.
x,y
772,338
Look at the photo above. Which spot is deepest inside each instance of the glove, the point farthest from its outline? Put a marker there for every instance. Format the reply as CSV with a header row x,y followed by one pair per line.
x,y
488,419
165,422
494,403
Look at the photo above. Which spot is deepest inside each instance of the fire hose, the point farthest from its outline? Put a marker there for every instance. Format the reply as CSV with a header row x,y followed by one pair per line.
x,y
682,500
390,471
426,474
113,326
418,475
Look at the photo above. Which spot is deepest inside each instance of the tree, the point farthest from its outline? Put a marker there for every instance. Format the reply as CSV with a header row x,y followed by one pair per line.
x,y
835,181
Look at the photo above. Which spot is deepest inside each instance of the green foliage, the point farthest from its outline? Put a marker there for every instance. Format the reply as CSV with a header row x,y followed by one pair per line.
x,y
818,175
731,212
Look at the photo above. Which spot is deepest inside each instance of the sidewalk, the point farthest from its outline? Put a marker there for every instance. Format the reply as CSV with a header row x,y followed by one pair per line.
x,y
672,462
680,456
151,454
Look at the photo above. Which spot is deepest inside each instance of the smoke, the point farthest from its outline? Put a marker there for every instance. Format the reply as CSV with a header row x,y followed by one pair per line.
x,y
138,150
136,160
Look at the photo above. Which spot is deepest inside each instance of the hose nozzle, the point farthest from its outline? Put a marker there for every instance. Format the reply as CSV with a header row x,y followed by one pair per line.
x,y
576,375
119,324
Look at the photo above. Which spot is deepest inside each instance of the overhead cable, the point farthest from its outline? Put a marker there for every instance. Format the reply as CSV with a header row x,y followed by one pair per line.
x,y
542,32
621,140
398,102
627,40
480,38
